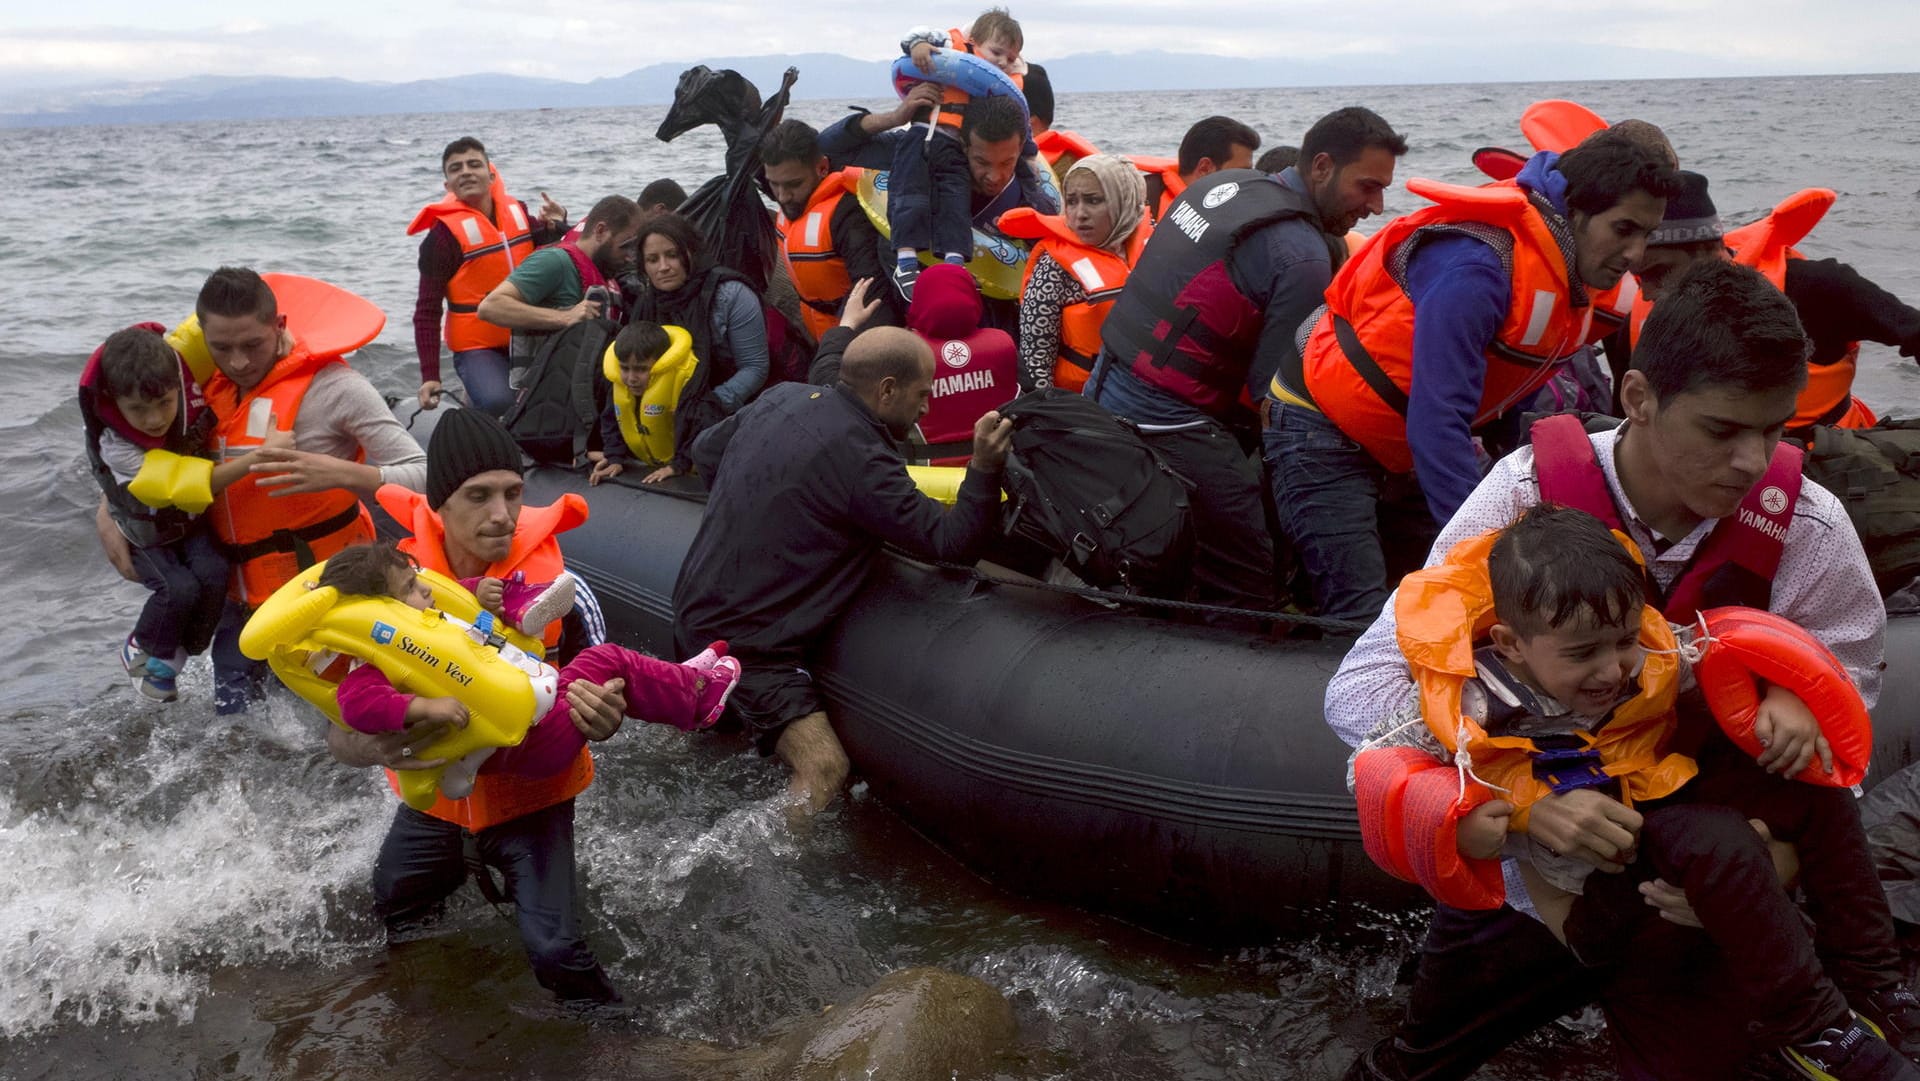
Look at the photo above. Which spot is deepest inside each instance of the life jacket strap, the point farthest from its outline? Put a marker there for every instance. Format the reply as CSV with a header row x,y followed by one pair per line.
x,y
1368,369
292,540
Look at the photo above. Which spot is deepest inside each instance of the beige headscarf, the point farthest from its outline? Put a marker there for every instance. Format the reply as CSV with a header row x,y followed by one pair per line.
x,y
1126,192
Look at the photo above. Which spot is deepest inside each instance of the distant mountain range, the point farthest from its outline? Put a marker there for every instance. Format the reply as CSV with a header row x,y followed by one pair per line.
x,y
822,76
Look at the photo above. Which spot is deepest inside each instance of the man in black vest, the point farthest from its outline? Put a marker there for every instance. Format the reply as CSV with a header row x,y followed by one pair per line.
x,y
1235,266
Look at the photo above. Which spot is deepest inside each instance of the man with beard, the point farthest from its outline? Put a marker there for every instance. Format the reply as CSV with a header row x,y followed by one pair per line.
x,y
1234,267
807,484
1429,341
825,237
550,289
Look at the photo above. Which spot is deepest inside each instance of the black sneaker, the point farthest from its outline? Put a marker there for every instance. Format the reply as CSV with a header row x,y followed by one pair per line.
x,y
1850,1054
903,279
1895,1014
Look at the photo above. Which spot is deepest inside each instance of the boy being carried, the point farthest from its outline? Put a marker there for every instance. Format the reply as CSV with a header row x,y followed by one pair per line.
x,y
929,186
1573,687
147,427
688,696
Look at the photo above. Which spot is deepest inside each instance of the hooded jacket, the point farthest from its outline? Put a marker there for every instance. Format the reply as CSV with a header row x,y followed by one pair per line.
x,y
974,369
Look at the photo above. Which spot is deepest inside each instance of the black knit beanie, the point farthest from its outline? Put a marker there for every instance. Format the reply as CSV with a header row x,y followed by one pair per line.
x,y
1690,216
465,444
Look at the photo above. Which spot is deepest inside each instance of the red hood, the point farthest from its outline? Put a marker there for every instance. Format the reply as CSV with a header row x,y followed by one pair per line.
x,y
946,303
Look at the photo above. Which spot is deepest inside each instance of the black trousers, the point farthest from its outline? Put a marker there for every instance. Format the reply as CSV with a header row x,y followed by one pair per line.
x,y
1676,1003
1233,555
189,584
422,861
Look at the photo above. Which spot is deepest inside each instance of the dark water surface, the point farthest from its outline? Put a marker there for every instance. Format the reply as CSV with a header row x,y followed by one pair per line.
x,y
186,896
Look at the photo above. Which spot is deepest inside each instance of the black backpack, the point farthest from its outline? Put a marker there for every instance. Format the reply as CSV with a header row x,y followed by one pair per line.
x,y
1876,473
1088,489
556,415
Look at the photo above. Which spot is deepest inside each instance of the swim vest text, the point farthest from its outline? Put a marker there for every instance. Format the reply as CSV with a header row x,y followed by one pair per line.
x,y
413,648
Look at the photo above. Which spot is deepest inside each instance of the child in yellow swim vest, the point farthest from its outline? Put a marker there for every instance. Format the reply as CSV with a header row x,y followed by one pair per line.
x,y
1573,697
649,366
688,696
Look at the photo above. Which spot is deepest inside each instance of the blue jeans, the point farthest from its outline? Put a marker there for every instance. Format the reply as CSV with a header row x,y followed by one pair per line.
x,y
1335,503
484,373
423,860
930,195
189,584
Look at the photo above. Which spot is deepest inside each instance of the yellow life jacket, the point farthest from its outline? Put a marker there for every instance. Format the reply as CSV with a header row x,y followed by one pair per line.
x,y
303,625
648,430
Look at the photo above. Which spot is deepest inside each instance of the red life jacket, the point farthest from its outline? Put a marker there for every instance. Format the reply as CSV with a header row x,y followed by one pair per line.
x,y
1357,367
819,273
974,369
1181,324
489,250
498,797
1735,564
1101,274
270,538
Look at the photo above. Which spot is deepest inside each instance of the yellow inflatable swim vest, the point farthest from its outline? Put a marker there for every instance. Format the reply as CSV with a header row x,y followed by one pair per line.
x,y
304,627
648,430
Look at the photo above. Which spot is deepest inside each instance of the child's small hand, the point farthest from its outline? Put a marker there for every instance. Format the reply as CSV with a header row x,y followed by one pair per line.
x,y
923,56
1483,830
603,469
665,472
447,711
492,595
1789,734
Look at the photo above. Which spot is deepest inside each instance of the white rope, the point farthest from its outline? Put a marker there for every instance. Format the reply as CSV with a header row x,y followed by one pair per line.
x,y
1695,645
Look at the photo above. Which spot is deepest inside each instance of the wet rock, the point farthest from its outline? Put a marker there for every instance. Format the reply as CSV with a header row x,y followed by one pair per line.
x,y
915,1024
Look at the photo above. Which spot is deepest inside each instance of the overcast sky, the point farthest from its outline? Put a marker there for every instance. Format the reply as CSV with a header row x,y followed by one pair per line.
x,y
394,40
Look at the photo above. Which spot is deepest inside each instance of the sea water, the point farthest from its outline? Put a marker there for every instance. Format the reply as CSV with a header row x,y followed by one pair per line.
x,y
183,895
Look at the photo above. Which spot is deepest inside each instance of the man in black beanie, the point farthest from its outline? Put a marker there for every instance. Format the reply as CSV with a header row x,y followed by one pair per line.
x,y
470,524
1838,308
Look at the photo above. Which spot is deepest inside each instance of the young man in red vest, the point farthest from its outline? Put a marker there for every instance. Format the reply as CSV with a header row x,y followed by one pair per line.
x,y
474,238
471,523
1698,478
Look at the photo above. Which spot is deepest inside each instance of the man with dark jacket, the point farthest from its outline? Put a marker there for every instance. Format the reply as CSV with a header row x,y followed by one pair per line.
x,y
808,483
1238,263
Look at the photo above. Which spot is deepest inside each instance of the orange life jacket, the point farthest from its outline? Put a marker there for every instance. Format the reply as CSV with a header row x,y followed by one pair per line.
x,y
1444,610
498,797
1358,364
1171,183
819,273
270,538
489,250
1101,275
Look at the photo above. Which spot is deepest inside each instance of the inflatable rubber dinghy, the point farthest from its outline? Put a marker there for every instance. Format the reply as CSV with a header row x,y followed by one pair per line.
x,y
1175,776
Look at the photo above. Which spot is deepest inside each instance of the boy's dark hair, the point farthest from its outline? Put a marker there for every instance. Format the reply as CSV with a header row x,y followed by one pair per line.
x,y
1277,159
1608,166
360,570
1556,564
139,363
1725,326
231,292
617,211
996,24
992,120
790,140
461,146
641,342
665,192
677,229
1214,137
1345,134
